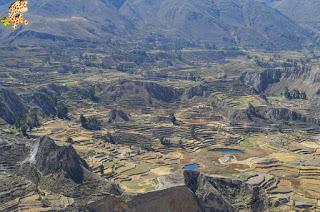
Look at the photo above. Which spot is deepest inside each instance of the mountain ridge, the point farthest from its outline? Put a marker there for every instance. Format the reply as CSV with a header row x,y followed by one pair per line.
x,y
229,23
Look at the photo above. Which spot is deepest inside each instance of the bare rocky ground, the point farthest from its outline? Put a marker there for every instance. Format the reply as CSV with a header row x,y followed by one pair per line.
x,y
256,149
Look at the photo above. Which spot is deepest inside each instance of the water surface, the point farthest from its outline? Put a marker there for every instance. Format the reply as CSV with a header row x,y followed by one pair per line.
x,y
191,166
227,150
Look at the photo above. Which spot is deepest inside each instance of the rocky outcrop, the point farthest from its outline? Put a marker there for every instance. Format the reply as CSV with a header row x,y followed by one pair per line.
x,y
198,193
224,194
29,167
284,114
261,81
12,107
174,199
50,158
58,168
199,90
163,93
210,199
15,109
250,114
265,115
158,119
139,93
118,115
46,100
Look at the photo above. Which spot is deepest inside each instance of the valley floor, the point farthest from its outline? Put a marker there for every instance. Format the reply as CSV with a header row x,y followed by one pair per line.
x,y
221,123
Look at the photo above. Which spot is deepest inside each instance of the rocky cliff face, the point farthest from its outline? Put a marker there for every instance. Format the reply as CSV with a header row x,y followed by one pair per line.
x,y
46,99
15,109
118,115
274,81
199,193
223,194
138,93
32,166
199,90
50,158
11,106
268,115
261,81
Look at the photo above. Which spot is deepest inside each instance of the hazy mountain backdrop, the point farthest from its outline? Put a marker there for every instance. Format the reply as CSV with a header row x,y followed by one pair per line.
x,y
304,12
223,23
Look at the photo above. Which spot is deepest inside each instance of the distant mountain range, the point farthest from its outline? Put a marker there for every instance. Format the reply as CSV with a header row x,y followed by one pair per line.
x,y
94,20
304,12
223,23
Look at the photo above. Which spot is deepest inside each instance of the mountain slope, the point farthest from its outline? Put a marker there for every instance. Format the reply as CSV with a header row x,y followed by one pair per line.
x,y
73,19
304,12
222,22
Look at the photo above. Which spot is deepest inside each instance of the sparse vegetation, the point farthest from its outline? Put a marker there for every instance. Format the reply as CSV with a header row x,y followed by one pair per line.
x,y
91,123
294,94
223,97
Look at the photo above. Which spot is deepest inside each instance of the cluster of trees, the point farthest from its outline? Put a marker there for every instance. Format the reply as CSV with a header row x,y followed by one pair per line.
x,y
147,147
129,68
89,93
165,141
109,138
91,123
294,94
193,77
90,60
264,63
288,64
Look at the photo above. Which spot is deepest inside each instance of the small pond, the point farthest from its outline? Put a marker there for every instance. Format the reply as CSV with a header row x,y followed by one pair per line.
x,y
227,150
191,166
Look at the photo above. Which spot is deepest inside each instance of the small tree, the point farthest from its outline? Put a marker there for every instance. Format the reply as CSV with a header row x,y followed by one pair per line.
x,y
83,121
92,94
101,169
193,133
70,140
287,93
180,142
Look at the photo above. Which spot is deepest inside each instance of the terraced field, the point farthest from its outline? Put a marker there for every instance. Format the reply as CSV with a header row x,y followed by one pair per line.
x,y
217,121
